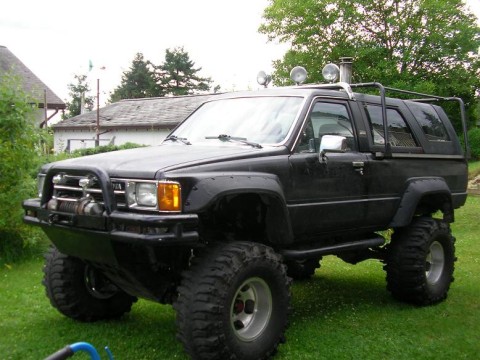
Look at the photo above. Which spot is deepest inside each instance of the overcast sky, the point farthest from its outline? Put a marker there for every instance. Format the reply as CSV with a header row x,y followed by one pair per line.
x,y
57,38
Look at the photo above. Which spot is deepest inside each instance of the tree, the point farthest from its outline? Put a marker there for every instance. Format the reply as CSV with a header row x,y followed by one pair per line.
x,y
76,92
424,45
137,82
178,76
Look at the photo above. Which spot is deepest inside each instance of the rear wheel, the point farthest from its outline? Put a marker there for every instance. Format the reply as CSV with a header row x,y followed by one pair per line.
x,y
80,291
420,262
233,303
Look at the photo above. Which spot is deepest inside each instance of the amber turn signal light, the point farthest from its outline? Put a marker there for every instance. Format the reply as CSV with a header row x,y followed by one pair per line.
x,y
169,196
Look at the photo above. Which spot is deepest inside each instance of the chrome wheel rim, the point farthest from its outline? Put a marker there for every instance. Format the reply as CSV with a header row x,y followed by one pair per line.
x,y
435,263
251,309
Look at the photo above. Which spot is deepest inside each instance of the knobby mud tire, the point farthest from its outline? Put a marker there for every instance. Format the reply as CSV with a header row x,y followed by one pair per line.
x,y
67,289
217,297
420,262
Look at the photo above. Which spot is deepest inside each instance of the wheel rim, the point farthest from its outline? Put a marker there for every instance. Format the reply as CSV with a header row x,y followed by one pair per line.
x,y
251,309
435,263
97,284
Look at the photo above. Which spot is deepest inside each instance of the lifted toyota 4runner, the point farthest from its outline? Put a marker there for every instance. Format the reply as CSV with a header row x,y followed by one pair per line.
x,y
251,190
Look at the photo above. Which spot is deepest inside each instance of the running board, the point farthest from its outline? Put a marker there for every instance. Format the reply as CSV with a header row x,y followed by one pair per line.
x,y
290,254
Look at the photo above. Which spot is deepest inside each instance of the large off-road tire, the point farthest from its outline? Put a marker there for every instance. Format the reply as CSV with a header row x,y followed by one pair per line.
x,y
81,292
233,303
420,262
302,269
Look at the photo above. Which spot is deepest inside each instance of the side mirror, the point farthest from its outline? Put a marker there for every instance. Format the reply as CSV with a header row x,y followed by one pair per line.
x,y
333,143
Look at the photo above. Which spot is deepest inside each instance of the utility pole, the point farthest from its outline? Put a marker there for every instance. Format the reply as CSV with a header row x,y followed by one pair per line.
x,y
97,132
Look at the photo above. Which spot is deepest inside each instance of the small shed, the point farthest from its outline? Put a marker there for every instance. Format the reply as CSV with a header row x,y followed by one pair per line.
x,y
45,98
142,121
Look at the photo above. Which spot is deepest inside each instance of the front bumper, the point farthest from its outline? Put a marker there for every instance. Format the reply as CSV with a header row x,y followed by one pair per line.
x,y
93,237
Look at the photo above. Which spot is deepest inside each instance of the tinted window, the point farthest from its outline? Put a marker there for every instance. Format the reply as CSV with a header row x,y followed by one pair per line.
x,y
399,133
326,119
429,121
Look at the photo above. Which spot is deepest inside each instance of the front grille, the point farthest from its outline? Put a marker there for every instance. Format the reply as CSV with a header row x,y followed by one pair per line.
x,y
66,188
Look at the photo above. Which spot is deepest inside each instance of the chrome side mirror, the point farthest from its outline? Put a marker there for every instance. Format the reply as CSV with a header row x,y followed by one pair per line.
x,y
332,143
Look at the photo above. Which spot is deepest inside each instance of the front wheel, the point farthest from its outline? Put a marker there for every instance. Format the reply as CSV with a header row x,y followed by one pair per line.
x,y
233,303
80,291
420,262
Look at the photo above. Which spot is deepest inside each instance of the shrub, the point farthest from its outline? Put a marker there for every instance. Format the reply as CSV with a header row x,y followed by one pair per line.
x,y
19,139
105,148
474,142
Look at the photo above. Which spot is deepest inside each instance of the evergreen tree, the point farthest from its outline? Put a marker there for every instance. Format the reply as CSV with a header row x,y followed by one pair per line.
x,y
76,91
137,82
178,75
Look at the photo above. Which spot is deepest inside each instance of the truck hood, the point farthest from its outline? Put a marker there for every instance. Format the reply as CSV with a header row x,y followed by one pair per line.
x,y
146,162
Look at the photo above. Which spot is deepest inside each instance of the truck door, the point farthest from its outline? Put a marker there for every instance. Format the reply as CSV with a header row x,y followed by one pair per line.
x,y
326,193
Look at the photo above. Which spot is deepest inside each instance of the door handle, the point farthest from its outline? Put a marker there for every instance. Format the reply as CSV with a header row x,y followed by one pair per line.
x,y
358,166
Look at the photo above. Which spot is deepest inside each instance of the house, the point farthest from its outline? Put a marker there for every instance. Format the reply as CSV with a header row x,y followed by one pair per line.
x,y
48,103
142,121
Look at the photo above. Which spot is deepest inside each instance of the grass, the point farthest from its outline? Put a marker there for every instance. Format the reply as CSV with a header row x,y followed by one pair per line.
x,y
344,312
473,169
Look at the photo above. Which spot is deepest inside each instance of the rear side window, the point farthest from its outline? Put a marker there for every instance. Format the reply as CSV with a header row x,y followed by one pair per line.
x,y
399,133
429,121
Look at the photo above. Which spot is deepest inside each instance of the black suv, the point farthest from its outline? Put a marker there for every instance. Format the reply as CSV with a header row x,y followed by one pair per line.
x,y
251,190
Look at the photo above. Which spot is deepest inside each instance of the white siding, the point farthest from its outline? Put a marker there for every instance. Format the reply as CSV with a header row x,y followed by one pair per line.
x,y
79,139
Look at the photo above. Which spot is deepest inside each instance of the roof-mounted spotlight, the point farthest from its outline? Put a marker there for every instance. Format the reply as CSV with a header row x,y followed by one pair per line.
x,y
298,75
263,79
331,72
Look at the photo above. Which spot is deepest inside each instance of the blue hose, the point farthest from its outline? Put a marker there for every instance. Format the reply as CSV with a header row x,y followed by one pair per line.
x,y
70,350
83,346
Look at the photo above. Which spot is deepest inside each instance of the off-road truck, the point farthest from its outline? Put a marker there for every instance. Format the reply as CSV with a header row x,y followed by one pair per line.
x,y
251,190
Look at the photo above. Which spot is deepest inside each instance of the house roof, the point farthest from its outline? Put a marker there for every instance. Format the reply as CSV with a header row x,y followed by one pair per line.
x,y
31,83
161,112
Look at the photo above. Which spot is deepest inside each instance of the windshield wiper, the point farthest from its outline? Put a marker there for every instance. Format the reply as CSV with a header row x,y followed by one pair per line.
x,y
223,137
176,138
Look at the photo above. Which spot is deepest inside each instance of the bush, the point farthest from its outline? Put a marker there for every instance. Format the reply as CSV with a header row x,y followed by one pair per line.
x,y
19,139
23,149
474,142
105,148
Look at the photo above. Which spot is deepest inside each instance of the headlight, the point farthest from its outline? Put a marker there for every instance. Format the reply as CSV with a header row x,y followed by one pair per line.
x,y
40,183
160,195
146,194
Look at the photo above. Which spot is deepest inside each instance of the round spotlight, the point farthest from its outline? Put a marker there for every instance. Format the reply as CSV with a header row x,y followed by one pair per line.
x,y
263,79
331,72
298,75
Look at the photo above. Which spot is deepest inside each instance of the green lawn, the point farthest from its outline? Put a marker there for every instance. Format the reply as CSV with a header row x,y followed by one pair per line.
x,y
344,312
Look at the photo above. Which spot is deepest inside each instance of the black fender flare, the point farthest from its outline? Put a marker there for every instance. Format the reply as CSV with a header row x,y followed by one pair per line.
x,y
210,188
415,190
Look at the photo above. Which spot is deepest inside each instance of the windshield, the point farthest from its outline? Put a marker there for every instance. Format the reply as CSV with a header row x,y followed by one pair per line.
x,y
264,120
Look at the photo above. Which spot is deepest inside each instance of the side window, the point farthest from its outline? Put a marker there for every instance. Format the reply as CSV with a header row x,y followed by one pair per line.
x,y
325,119
399,133
429,121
